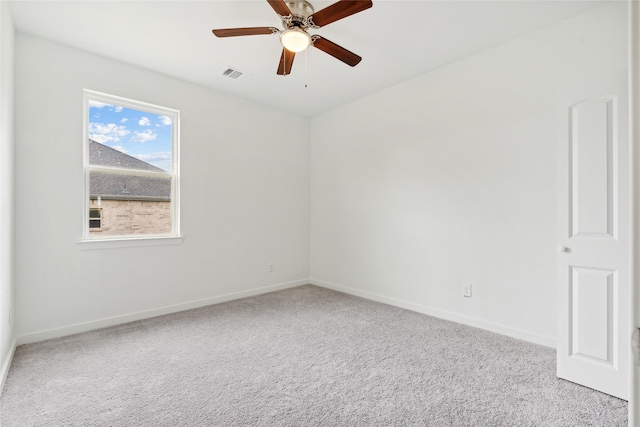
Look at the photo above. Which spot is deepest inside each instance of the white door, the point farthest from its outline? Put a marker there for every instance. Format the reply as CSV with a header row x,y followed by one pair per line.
x,y
594,235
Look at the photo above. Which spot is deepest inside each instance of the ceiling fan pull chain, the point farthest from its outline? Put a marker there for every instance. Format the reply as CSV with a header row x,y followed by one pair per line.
x,y
306,80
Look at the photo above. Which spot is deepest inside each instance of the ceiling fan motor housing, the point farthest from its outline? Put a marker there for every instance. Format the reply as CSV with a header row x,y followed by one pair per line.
x,y
300,11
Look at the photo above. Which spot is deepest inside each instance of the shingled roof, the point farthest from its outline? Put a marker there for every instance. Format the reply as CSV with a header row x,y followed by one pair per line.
x,y
103,155
111,186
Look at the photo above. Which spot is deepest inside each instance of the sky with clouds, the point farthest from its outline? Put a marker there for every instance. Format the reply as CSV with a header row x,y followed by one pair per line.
x,y
146,136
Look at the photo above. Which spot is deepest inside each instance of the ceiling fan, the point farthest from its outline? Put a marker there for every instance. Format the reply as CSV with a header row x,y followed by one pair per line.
x,y
297,16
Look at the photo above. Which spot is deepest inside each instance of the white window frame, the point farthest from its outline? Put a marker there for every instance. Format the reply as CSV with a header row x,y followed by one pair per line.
x,y
173,236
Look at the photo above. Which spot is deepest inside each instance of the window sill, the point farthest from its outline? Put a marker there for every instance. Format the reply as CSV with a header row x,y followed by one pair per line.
x,y
129,242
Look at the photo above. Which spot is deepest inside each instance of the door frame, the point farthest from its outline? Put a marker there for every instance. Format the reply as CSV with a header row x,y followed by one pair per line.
x,y
634,135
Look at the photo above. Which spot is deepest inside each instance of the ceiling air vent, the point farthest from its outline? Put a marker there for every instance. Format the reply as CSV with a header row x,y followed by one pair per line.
x,y
232,73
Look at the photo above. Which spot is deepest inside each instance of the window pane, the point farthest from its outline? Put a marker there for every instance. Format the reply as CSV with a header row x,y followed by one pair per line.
x,y
128,138
131,205
94,223
94,213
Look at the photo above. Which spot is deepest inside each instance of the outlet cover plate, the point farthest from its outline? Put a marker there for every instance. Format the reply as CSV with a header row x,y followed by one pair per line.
x,y
466,291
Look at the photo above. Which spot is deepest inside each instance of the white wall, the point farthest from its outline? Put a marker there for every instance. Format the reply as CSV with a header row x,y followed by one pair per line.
x,y
245,186
442,180
7,330
449,178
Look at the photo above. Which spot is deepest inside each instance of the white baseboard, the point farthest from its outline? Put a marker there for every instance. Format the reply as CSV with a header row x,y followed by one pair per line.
x,y
431,311
118,320
6,365
444,314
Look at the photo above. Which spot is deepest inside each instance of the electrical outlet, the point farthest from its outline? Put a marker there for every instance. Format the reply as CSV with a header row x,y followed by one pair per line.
x,y
270,268
466,290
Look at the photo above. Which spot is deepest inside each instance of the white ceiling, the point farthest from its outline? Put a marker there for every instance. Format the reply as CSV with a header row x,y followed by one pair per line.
x,y
397,39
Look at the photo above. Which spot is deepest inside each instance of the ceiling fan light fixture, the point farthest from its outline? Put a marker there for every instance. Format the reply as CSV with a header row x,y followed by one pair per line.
x,y
295,40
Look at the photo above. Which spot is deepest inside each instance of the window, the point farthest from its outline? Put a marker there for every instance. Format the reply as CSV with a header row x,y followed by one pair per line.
x,y
95,218
131,169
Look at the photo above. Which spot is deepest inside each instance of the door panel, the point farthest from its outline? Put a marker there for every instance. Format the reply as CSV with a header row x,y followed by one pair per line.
x,y
594,235
592,313
592,170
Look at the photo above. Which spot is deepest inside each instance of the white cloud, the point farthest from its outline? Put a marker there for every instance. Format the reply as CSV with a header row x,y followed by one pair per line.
x,y
104,133
101,105
102,139
124,120
144,121
165,120
98,104
144,136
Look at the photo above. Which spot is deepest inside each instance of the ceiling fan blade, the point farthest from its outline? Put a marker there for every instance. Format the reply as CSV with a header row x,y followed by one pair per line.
x,y
280,7
339,10
250,31
336,51
286,61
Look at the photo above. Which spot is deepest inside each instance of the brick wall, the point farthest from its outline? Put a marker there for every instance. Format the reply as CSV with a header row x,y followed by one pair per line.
x,y
120,217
